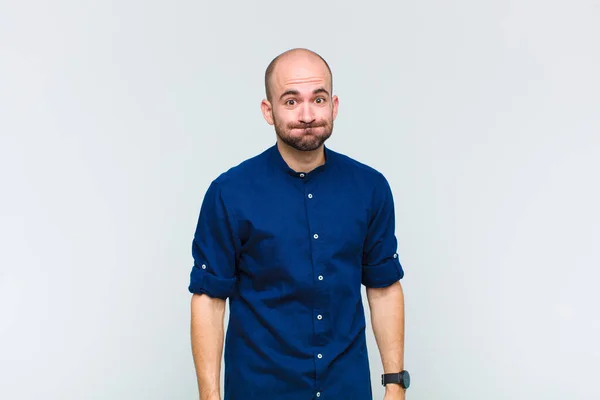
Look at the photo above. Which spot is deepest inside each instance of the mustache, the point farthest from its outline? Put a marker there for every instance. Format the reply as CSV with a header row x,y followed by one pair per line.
x,y
319,124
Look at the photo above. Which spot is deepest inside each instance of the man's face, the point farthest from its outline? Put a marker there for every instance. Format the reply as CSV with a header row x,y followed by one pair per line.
x,y
302,108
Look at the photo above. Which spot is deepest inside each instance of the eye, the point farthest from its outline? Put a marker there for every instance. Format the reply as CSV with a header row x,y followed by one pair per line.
x,y
290,102
320,100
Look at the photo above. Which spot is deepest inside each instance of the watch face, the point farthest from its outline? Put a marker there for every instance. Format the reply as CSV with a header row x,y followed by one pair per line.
x,y
405,379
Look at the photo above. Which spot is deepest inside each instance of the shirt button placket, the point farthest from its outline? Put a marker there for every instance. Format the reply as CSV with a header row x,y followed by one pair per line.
x,y
317,265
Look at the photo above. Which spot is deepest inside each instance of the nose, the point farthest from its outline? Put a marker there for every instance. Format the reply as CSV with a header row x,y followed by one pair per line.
x,y
307,115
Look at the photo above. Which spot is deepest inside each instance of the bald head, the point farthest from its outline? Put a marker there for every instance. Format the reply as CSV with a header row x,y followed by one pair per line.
x,y
290,57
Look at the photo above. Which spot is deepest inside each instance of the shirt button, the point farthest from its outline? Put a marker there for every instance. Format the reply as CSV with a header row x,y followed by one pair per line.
x,y
319,316
316,236
310,195
203,266
395,255
320,277
302,175
318,394
319,355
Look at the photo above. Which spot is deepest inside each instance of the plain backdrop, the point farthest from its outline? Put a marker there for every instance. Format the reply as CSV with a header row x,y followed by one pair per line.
x,y
483,115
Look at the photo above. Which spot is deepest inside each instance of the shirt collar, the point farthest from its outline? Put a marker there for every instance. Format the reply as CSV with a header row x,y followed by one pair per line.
x,y
279,163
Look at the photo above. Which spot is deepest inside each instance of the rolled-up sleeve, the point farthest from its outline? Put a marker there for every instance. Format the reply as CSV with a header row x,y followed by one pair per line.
x,y
381,263
215,247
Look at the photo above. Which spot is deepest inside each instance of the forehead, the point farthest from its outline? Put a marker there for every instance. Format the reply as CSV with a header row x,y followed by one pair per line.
x,y
300,70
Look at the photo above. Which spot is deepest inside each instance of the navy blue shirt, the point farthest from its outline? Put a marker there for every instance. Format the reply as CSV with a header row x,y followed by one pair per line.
x,y
290,250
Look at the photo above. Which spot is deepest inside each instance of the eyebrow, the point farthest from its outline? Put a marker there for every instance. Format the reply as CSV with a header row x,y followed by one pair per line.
x,y
294,92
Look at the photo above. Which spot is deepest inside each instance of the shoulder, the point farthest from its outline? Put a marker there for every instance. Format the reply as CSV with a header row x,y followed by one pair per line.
x,y
240,178
243,171
359,170
366,179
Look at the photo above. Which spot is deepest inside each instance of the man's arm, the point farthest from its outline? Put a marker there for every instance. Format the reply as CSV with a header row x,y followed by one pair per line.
x,y
387,317
215,248
207,343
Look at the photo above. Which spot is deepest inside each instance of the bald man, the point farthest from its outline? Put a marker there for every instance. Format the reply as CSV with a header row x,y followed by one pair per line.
x,y
289,236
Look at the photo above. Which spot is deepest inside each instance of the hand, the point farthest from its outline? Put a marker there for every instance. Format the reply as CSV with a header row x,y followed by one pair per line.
x,y
394,392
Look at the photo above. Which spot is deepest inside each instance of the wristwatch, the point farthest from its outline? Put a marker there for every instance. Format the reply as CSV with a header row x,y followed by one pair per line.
x,y
402,378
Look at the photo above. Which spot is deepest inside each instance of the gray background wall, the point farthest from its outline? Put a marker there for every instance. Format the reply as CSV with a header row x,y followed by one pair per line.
x,y
116,115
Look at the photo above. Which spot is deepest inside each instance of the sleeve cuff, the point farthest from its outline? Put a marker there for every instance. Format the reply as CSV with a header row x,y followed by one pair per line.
x,y
382,275
211,285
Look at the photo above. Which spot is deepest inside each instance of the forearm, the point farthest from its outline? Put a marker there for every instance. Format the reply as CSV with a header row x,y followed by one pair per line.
x,y
387,317
207,334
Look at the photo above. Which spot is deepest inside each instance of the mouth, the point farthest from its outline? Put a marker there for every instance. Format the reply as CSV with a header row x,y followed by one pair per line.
x,y
307,129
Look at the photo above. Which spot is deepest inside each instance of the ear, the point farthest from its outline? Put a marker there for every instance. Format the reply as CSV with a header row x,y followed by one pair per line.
x,y
267,111
335,104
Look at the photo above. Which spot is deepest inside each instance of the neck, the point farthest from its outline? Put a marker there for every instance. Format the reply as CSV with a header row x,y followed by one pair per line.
x,y
301,161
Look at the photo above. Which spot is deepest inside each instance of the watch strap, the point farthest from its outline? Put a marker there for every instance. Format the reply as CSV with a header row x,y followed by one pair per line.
x,y
396,377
